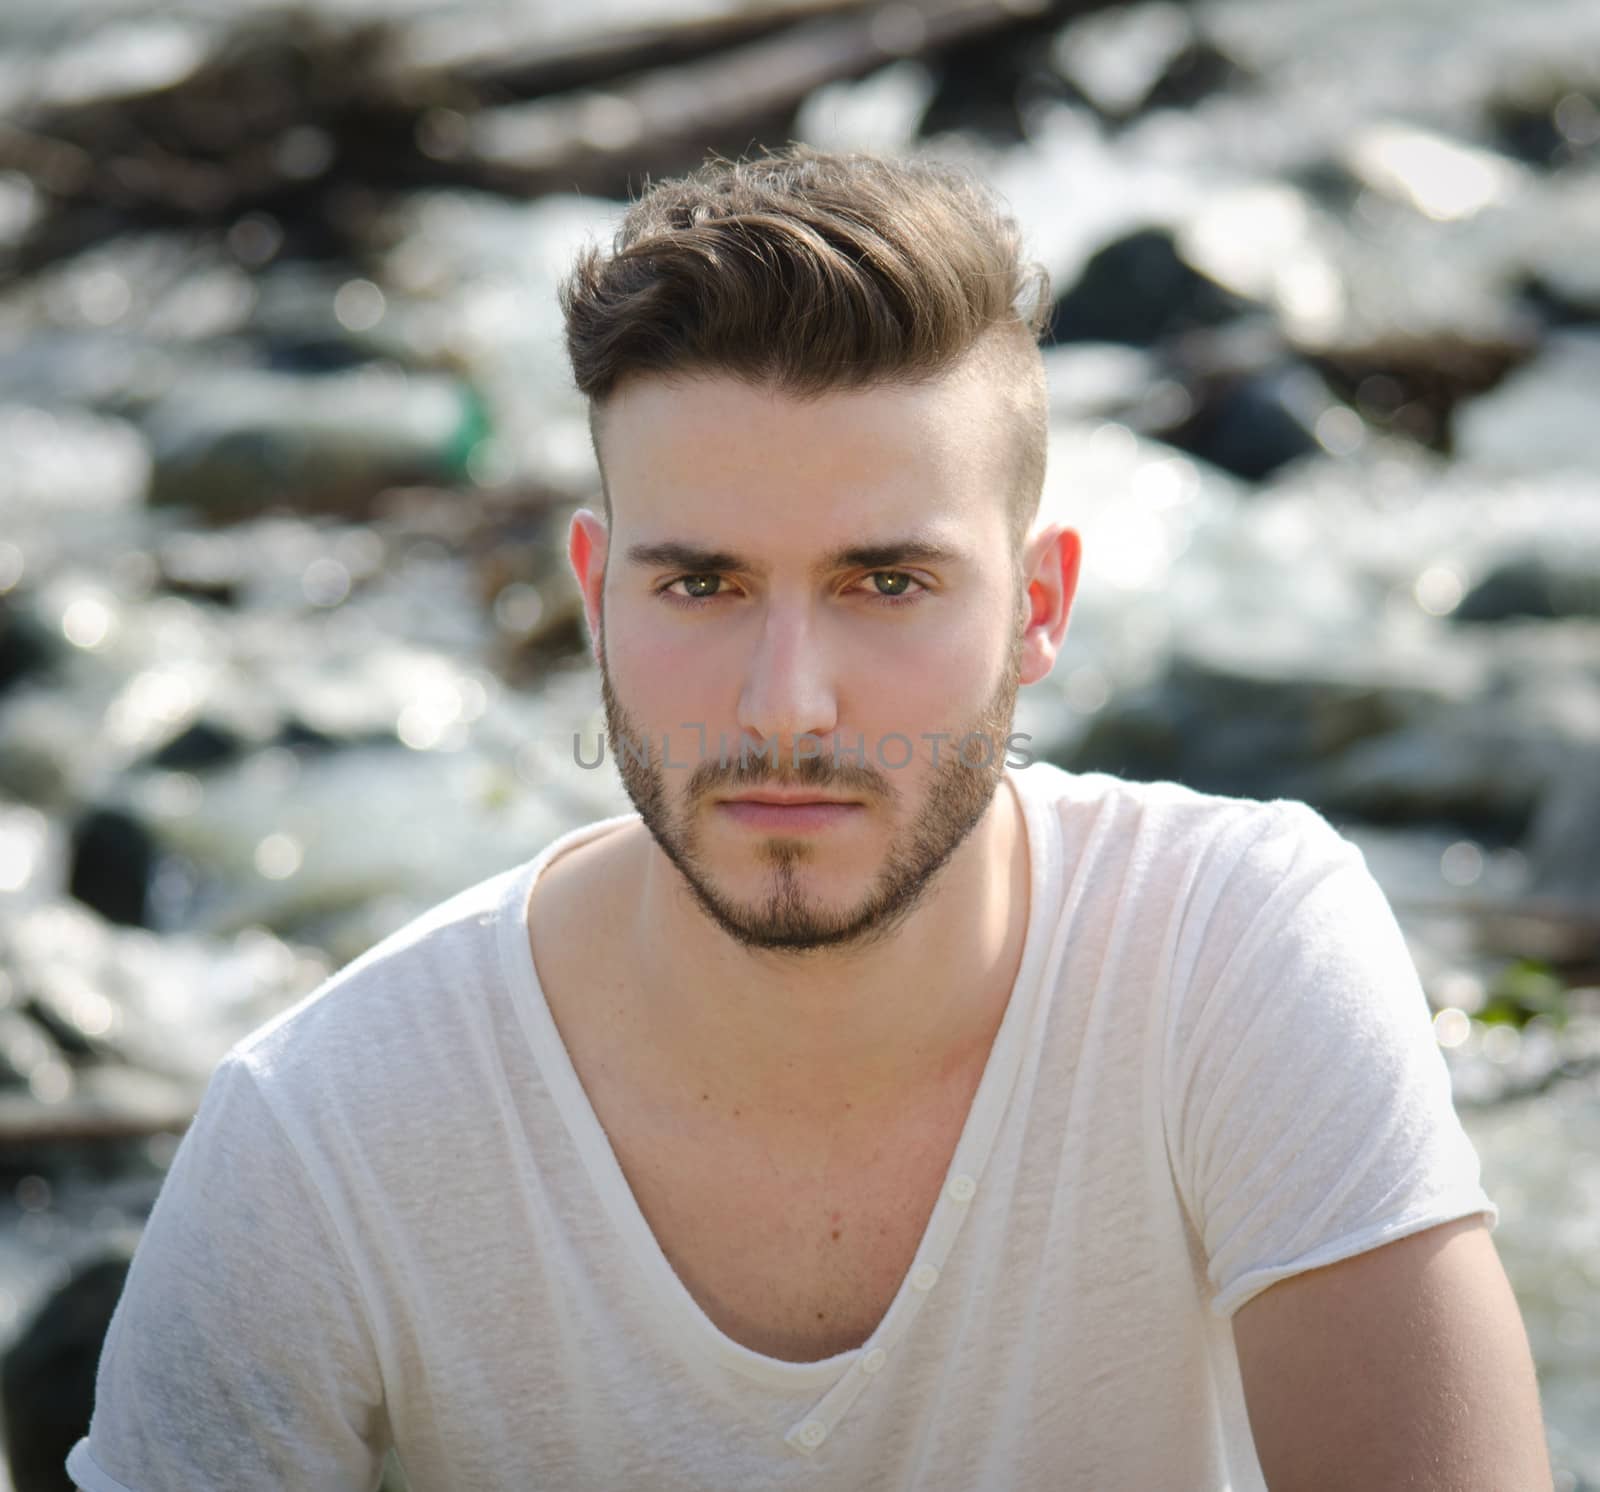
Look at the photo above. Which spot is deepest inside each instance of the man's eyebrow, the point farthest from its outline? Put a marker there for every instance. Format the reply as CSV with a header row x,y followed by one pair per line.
x,y
693,559
891,552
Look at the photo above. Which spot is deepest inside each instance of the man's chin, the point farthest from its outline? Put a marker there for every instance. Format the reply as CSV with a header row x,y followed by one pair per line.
x,y
799,928
755,885
795,899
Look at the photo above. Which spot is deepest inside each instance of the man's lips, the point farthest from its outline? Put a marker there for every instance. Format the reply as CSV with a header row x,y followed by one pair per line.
x,y
788,800
780,814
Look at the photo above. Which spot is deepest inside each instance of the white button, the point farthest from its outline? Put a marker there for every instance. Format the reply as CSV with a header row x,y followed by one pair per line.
x,y
924,1277
963,1188
873,1362
813,1432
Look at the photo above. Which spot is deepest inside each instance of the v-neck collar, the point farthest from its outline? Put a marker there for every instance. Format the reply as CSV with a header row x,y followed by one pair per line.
x,y
964,1181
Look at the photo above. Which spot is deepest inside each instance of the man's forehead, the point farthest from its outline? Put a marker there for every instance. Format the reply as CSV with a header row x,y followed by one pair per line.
x,y
696,419
755,480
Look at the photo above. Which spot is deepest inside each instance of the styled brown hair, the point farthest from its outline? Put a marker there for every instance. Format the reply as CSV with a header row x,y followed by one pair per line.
x,y
812,272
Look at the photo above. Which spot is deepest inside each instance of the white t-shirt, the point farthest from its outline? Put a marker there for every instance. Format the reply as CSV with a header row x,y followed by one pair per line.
x,y
397,1218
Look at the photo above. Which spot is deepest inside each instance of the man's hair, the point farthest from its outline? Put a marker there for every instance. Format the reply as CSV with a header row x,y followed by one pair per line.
x,y
809,272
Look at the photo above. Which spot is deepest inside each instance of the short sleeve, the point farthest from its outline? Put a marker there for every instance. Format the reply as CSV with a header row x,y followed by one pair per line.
x,y
240,1354
1308,1106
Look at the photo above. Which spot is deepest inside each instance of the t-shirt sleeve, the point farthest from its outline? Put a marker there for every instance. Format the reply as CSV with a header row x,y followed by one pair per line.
x,y
1309,1107
240,1353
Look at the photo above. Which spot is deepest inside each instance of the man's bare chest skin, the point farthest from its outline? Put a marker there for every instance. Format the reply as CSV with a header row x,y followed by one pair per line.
x,y
794,1251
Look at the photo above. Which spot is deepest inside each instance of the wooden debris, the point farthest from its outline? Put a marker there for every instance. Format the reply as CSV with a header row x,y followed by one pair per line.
x,y
654,121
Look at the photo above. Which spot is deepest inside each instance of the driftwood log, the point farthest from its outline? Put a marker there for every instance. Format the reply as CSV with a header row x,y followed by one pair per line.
x,y
290,114
659,117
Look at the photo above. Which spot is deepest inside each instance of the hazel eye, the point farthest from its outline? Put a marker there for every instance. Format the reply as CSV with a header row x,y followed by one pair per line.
x,y
894,588
692,584
899,577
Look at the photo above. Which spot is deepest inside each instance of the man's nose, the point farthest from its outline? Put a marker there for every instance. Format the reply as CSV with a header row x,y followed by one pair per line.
x,y
789,688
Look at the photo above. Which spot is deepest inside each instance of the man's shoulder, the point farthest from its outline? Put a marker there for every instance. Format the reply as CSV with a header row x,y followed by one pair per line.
x,y
1173,819
417,1004
374,1005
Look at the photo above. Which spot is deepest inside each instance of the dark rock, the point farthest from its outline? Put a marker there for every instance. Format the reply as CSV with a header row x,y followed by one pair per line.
x,y
1139,737
206,567
47,1378
1250,426
1559,283
308,741
989,85
1556,305
113,861
1563,843
311,353
52,1016
1472,776
24,646
201,745
1527,131
1553,127
24,1046
296,735
1327,181
1222,730
1382,739
1198,71
1531,587
1140,290
1127,60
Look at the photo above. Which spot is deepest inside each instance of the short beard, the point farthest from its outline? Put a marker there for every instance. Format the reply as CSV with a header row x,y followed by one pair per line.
x,y
787,921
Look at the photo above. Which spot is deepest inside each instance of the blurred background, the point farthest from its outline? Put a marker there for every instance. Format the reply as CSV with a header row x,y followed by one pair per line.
x,y
288,449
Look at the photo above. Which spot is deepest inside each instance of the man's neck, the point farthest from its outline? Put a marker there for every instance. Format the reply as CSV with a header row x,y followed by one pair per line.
x,y
832,1037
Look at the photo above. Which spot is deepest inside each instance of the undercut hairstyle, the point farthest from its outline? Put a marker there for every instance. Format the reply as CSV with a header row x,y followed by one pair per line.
x,y
807,273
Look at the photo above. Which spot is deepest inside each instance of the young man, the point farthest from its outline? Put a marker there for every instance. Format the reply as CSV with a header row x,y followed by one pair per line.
x,y
870,1109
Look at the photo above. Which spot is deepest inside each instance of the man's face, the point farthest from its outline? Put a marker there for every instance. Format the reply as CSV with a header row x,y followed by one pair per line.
x,y
741,608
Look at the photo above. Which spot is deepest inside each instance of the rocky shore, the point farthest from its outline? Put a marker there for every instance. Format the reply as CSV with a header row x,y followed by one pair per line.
x,y
288,450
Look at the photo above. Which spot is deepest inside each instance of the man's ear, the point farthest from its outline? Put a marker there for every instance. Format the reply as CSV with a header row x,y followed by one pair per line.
x,y
1051,563
587,541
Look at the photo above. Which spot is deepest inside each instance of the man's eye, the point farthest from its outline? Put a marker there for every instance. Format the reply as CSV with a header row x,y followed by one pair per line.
x,y
694,584
898,578
887,585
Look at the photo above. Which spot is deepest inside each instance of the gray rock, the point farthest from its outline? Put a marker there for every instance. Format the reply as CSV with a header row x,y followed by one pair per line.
x,y
1533,587
1542,417
47,1376
1563,842
232,446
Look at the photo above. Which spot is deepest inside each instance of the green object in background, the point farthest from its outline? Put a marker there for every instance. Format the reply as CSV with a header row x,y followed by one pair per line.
x,y
1523,990
238,441
470,433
